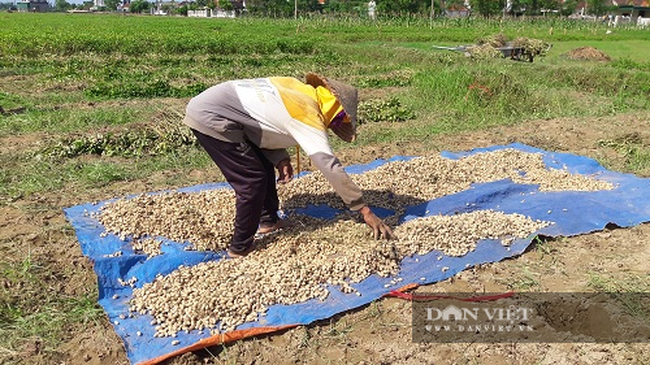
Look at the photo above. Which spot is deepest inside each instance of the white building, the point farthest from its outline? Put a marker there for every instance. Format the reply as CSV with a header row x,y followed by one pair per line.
x,y
200,13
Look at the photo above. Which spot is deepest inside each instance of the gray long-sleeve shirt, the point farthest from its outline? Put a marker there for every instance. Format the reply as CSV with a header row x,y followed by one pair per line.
x,y
273,113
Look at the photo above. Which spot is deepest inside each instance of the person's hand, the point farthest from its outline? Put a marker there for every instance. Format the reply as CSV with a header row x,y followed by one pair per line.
x,y
379,228
285,171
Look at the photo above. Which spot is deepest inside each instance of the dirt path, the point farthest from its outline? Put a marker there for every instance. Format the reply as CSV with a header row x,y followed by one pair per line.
x,y
379,333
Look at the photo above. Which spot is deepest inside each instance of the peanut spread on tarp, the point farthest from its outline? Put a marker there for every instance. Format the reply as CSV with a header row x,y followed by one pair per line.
x,y
297,263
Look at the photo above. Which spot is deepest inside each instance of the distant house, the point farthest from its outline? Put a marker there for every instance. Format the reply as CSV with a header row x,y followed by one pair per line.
x,y
209,13
220,13
38,6
200,13
457,11
633,11
125,6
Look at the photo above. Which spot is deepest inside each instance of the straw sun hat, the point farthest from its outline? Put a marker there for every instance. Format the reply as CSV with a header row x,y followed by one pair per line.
x,y
347,96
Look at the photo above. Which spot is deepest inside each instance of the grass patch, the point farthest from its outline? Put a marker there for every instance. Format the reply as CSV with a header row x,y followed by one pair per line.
x,y
24,175
634,150
618,288
389,110
71,119
152,88
19,325
42,316
495,92
525,281
166,134
633,50
11,103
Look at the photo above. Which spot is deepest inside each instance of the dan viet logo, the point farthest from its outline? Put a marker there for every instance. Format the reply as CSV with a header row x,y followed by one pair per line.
x,y
476,320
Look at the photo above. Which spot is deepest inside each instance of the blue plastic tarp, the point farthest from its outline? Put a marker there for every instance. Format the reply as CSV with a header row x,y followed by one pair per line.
x,y
573,212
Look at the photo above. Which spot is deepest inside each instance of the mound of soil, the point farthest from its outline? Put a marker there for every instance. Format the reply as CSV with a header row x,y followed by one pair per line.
x,y
587,54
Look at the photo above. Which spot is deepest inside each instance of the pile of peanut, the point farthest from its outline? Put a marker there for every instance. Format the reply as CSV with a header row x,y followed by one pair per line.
x,y
298,264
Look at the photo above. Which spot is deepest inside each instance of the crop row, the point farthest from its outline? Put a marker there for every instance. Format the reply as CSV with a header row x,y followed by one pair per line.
x,y
33,35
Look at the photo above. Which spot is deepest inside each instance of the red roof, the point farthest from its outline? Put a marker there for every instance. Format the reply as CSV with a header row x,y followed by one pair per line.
x,y
456,7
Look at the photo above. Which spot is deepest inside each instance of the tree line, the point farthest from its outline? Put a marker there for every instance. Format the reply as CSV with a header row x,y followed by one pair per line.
x,y
387,8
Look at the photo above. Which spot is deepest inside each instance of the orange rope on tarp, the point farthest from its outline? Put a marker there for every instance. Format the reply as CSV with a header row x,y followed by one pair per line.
x,y
219,339
401,293
403,289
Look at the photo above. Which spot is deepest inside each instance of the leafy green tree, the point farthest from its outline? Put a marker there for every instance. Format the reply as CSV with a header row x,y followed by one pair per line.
x,y
274,8
112,4
339,6
598,7
62,5
169,8
549,4
139,6
488,8
226,5
399,7
568,7
309,6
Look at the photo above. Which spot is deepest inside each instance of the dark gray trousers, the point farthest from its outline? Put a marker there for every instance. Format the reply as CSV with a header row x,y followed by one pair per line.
x,y
252,176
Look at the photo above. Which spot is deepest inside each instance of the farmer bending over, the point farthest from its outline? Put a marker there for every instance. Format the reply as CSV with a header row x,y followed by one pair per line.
x,y
246,125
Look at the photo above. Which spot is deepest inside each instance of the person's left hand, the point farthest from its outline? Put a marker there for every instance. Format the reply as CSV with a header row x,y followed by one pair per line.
x,y
285,171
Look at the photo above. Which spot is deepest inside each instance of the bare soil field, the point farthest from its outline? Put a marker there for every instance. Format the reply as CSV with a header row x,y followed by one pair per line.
x,y
379,333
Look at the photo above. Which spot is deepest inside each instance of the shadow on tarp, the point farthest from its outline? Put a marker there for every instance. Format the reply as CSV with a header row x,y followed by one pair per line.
x,y
574,213
324,211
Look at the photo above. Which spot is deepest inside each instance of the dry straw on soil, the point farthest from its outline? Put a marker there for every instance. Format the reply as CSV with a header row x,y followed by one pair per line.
x,y
296,264
587,54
